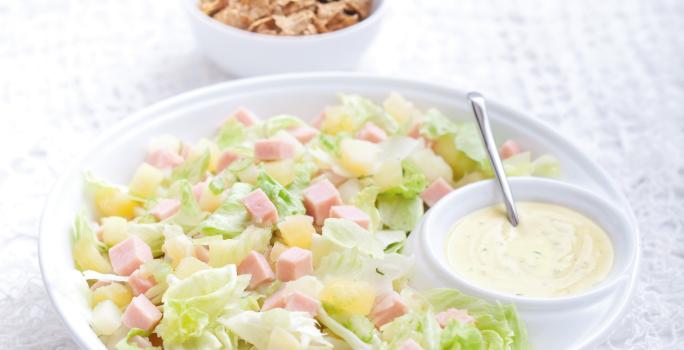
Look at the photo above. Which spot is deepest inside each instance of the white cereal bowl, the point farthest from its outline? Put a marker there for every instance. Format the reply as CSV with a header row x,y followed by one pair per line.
x,y
116,153
244,53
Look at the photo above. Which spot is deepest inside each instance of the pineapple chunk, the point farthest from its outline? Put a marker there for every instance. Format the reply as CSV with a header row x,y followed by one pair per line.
x,y
87,257
358,157
222,253
400,109
431,165
114,230
177,248
277,249
458,161
297,230
118,293
282,340
110,201
203,146
348,297
188,266
337,119
249,174
106,318
145,181
389,174
209,201
349,189
282,171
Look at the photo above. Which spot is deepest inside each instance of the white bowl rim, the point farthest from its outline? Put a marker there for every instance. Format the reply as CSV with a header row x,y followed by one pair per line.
x,y
593,293
198,15
160,108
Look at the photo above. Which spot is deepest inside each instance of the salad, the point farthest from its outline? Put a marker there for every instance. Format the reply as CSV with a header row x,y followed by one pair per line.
x,y
277,234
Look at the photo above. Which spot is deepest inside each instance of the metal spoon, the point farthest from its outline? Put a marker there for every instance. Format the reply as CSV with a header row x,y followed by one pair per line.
x,y
477,101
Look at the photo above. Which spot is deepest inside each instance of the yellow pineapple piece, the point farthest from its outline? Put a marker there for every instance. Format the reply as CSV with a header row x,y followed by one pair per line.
x,y
389,174
282,340
282,171
145,181
358,157
88,257
177,248
209,201
111,201
114,230
337,119
188,266
297,230
458,161
348,296
116,292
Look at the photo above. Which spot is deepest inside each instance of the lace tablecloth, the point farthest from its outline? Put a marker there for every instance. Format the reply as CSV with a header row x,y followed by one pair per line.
x,y
609,74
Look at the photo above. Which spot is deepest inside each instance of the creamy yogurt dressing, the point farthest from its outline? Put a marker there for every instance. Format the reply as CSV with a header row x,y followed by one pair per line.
x,y
554,251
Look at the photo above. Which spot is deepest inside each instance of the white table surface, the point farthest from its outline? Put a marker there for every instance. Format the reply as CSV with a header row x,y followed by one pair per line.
x,y
607,73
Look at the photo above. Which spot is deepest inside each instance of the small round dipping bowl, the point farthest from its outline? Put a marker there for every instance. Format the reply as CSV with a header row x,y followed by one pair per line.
x,y
428,241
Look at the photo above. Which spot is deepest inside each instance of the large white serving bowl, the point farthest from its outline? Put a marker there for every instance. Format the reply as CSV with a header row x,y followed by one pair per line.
x,y
116,153
243,53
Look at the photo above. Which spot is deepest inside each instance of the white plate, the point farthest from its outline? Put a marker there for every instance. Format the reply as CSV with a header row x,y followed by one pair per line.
x,y
116,153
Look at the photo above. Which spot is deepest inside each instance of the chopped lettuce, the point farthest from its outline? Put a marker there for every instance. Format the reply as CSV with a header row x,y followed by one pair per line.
x,y
231,218
88,251
192,170
547,166
435,125
125,343
398,212
421,326
469,141
190,214
364,110
284,201
152,234
413,181
348,234
232,133
280,122
232,251
365,200
260,329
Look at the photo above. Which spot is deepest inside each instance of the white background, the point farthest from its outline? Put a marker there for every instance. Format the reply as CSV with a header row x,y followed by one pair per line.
x,y
608,74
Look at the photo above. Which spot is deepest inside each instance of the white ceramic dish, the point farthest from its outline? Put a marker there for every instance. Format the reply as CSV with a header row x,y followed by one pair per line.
x,y
428,246
244,53
115,154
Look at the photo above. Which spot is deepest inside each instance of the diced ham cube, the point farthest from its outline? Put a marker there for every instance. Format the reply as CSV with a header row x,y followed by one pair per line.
x,y
256,265
273,149
201,253
303,134
293,264
165,208
225,160
141,313
164,159
446,316
298,301
260,207
437,189
387,309
140,284
351,213
410,344
128,255
319,198
372,133
275,301
245,116
509,149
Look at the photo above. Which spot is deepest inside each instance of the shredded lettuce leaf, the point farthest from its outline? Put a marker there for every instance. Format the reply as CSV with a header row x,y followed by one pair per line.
x,y
365,200
232,251
231,218
364,110
192,170
435,125
284,201
400,213
348,234
413,181
232,133
280,122
125,343
190,214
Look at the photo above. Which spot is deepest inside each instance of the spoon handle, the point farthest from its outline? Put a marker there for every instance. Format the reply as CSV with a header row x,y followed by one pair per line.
x,y
477,101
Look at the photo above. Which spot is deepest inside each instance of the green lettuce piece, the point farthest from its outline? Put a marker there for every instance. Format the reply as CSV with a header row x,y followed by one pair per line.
x,y
193,305
413,181
280,122
364,110
348,234
460,336
421,326
190,214
232,133
435,125
346,334
88,252
256,328
304,170
152,234
192,170
398,212
236,249
469,141
547,166
518,165
365,200
231,218
286,203
125,343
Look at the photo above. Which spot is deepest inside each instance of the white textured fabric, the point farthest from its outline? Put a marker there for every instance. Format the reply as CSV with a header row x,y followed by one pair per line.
x,y
608,73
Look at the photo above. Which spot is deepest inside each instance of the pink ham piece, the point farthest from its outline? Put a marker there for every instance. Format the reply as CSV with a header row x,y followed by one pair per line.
x,y
437,189
293,264
319,198
387,309
260,207
273,149
225,160
256,265
165,208
201,253
128,255
140,284
141,313
410,344
298,301
164,159
446,316
245,116
303,134
372,133
276,300
351,213
509,149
